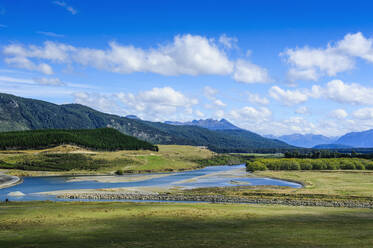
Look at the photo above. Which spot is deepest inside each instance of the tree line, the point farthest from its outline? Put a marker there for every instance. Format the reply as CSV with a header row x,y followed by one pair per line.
x,y
309,164
107,139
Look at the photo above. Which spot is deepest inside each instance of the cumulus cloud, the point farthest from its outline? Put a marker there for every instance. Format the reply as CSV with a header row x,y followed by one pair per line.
x,y
255,98
357,45
219,103
67,7
251,114
339,114
185,55
24,63
335,90
364,114
228,42
311,63
157,103
341,92
246,72
288,97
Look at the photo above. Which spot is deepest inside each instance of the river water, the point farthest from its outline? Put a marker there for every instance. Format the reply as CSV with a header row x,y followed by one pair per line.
x,y
213,176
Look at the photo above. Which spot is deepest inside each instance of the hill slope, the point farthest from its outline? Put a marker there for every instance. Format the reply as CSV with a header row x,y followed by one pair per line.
x,y
357,139
211,124
306,140
100,139
18,113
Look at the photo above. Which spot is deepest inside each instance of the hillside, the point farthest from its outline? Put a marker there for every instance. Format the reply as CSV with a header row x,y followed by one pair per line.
x,y
211,124
306,140
17,113
107,139
357,139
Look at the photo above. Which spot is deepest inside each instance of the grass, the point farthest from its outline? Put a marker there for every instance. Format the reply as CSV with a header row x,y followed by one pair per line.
x,y
343,183
63,160
98,224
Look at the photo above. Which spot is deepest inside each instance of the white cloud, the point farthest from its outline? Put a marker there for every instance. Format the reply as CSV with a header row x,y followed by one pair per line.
x,y
302,110
50,34
311,63
364,114
288,97
341,92
357,45
306,74
199,113
185,55
209,92
188,55
64,5
219,114
16,80
251,114
49,81
255,98
219,103
335,90
228,42
158,103
246,72
24,63
102,102
339,114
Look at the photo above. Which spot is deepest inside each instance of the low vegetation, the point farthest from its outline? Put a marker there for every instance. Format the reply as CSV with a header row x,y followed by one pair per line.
x,y
309,164
106,139
69,159
110,224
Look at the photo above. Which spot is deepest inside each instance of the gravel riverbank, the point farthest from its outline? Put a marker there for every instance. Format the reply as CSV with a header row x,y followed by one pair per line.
x,y
7,181
217,199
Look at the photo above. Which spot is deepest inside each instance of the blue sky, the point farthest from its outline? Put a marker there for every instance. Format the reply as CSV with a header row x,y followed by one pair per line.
x,y
273,67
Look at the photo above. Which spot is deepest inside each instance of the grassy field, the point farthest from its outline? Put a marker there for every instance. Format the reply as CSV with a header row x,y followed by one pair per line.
x,y
169,158
44,224
344,183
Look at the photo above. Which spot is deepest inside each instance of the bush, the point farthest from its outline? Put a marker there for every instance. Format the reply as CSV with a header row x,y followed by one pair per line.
x,y
347,165
119,172
306,165
310,164
255,166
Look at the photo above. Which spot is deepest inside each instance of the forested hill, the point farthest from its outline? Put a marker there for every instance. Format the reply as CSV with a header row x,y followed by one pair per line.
x,y
17,113
107,139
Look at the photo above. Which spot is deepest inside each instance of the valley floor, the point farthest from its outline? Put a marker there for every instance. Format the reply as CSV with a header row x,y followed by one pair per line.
x,y
103,224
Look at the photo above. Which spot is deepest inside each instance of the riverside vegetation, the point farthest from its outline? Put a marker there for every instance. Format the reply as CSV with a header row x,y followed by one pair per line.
x,y
68,159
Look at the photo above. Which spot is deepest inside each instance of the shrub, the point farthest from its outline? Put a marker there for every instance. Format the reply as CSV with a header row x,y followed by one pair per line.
x,y
347,165
119,172
255,166
305,165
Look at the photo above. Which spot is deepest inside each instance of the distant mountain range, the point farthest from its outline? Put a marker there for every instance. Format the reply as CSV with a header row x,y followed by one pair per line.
x,y
362,139
17,113
304,140
211,124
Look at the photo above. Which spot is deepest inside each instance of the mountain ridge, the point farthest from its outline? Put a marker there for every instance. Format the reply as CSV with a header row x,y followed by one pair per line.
x,y
17,113
211,124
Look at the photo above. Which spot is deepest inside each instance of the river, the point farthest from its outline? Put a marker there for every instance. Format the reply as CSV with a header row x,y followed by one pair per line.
x,y
34,188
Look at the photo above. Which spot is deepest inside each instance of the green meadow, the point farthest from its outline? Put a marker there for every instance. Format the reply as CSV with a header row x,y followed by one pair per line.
x,y
114,224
